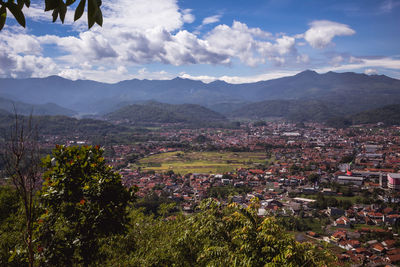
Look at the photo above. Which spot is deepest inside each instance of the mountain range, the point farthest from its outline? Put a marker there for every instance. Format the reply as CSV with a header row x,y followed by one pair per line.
x,y
304,96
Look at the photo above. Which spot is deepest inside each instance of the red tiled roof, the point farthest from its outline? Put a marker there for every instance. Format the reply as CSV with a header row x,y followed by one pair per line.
x,y
378,247
394,258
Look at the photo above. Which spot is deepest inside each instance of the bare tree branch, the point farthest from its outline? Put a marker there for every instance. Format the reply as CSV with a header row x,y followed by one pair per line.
x,y
22,165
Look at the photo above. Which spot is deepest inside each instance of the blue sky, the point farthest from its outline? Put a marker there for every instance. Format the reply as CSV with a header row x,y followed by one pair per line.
x,y
236,41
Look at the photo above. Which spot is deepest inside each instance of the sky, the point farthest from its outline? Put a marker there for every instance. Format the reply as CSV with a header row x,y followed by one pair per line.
x,y
237,41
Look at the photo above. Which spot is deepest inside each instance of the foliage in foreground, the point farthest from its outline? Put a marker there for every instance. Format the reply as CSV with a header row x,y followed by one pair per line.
x,y
82,200
87,220
215,236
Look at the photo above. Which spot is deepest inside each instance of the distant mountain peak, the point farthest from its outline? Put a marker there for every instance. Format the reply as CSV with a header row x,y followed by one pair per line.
x,y
218,82
56,77
307,73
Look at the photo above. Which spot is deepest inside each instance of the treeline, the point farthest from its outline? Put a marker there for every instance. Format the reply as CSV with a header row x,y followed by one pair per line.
x,y
95,131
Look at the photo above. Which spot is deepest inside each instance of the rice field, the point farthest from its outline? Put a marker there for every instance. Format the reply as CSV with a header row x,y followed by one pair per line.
x,y
201,162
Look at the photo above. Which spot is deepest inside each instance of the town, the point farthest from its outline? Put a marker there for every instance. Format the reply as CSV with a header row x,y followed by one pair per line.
x,y
336,188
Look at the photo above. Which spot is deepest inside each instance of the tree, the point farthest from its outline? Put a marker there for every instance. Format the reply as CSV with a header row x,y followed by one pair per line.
x,y
224,236
59,8
82,200
22,164
313,178
216,235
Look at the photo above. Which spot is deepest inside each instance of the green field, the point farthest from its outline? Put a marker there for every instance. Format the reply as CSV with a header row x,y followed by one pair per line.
x,y
201,162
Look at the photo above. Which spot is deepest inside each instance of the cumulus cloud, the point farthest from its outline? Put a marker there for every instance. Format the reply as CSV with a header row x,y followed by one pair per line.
x,y
136,33
21,56
142,15
211,19
322,32
187,16
125,44
88,45
17,66
248,44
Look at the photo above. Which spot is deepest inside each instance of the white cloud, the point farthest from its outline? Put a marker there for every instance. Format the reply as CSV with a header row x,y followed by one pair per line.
x,y
21,55
88,45
143,14
240,79
370,71
303,58
17,66
20,43
363,63
337,60
211,19
112,75
247,44
187,16
137,32
125,44
322,32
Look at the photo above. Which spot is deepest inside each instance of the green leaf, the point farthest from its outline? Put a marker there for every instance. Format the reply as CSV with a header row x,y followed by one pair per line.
x,y
70,2
3,16
79,10
50,5
28,3
20,3
17,13
62,10
99,17
55,14
92,11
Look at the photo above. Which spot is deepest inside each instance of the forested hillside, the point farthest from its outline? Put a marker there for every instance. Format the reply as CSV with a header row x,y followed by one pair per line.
x,y
151,112
38,109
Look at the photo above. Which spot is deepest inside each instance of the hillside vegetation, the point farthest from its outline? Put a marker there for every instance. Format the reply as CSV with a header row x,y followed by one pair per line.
x,y
38,109
389,115
62,125
295,110
166,113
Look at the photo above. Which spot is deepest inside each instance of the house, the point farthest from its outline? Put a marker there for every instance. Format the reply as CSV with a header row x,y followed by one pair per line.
x,y
343,179
349,244
393,181
388,244
338,236
393,258
391,219
377,247
342,222
394,251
